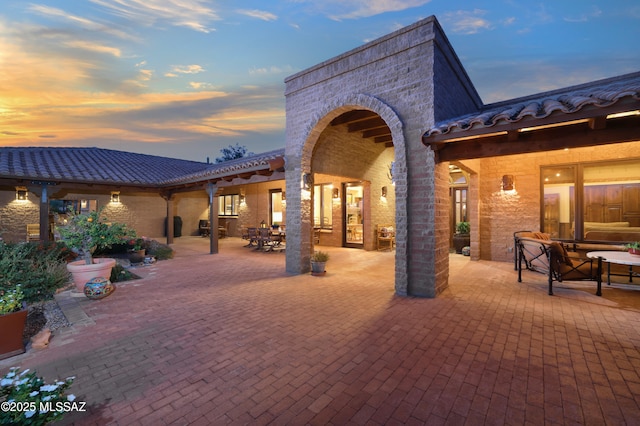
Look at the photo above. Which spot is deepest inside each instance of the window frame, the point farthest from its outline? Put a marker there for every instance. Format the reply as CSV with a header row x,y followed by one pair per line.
x,y
323,204
222,203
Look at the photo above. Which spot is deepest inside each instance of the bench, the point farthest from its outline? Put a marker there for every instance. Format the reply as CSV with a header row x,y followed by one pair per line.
x,y
540,254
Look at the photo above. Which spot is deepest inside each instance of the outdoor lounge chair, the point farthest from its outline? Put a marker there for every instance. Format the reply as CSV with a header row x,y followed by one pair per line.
x,y
551,258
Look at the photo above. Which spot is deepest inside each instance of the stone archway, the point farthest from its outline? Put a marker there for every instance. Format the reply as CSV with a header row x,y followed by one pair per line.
x,y
299,163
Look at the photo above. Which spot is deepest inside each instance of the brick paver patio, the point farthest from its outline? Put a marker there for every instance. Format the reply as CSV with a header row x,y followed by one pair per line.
x,y
232,339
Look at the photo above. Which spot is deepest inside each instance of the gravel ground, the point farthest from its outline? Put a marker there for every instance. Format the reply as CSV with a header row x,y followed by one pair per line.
x,y
47,314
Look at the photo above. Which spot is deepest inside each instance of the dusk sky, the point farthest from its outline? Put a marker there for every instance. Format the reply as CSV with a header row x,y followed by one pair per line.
x,y
185,78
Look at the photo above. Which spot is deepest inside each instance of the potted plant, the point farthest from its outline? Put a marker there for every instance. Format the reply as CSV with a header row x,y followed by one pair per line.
x,y
318,262
634,248
28,400
84,233
461,238
137,250
13,316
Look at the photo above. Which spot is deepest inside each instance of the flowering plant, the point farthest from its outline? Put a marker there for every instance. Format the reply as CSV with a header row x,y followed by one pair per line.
x,y
86,232
11,300
136,244
28,400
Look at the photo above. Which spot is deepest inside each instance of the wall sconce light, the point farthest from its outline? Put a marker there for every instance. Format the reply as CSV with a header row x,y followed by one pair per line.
x,y
115,197
283,199
336,193
284,196
384,192
507,183
21,193
391,172
307,181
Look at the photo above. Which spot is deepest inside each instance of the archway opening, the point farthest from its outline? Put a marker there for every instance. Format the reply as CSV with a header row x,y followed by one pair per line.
x,y
353,193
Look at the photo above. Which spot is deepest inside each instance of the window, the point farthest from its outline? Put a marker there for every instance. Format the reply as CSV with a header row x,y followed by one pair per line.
x,y
322,206
592,201
277,206
228,205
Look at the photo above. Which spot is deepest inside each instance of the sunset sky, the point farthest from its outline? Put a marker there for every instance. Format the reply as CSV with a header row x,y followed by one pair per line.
x,y
185,78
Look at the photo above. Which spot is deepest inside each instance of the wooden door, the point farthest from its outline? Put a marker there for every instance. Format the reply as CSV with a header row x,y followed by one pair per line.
x,y
552,214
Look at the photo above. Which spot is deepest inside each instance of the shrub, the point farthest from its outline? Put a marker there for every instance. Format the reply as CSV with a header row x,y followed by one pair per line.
x,y
39,268
120,274
159,250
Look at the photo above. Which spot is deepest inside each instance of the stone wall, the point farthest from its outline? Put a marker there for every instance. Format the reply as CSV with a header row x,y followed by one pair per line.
x,y
15,215
145,212
501,214
393,77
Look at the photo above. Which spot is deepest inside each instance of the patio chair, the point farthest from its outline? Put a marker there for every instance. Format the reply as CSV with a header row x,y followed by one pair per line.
x,y
265,241
252,236
204,228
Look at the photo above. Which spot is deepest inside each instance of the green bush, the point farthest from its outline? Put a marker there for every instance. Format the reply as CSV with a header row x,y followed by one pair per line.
x,y
119,274
39,268
159,250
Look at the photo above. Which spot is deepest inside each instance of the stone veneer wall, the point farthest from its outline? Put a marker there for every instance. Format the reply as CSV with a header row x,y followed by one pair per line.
x,y
145,212
346,157
15,215
501,214
394,77
256,206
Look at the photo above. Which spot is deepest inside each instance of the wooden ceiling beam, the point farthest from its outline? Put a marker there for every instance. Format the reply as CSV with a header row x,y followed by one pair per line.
x,y
376,132
372,123
383,139
353,116
554,138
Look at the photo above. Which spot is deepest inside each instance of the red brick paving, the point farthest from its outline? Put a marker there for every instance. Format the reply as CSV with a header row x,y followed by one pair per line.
x,y
232,339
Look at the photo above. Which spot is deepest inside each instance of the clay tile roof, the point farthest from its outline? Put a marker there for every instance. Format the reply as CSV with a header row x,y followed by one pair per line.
x,y
263,161
116,167
564,102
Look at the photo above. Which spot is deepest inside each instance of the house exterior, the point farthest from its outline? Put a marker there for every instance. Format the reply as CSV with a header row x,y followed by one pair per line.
x,y
372,136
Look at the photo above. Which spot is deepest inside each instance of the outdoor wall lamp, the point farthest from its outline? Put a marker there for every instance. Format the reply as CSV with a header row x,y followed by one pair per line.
x,y
336,193
115,197
307,181
507,183
383,193
21,193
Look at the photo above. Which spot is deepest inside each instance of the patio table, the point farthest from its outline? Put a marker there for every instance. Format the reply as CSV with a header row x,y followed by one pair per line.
x,y
617,257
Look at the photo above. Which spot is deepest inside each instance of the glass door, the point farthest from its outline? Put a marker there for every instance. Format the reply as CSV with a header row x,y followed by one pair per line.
x,y
353,205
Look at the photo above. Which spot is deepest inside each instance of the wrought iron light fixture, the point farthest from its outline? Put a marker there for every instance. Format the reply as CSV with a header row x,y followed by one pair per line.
x,y
21,193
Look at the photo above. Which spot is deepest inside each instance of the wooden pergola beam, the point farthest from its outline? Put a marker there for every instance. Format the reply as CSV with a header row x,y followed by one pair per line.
x,y
619,130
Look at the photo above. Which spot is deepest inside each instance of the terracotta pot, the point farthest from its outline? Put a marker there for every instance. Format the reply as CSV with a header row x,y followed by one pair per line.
x,y
82,272
634,251
12,326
